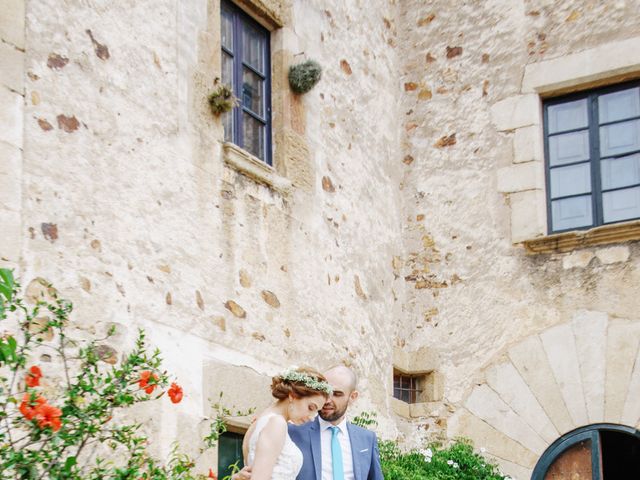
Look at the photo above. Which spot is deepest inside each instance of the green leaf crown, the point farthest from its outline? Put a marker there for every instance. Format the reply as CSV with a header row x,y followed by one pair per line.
x,y
307,380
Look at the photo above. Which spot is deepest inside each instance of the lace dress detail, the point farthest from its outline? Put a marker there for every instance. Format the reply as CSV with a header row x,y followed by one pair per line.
x,y
288,463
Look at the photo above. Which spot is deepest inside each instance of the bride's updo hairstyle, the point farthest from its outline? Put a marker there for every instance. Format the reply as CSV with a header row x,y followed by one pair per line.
x,y
299,382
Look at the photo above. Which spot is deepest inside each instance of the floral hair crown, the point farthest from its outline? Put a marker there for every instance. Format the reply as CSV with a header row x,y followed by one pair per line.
x,y
292,375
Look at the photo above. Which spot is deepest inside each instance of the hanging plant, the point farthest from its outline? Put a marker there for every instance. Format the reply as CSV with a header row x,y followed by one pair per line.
x,y
222,99
304,76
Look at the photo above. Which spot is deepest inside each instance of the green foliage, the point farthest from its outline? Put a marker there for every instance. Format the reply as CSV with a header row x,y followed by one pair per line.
x,y
222,99
457,461
219,424
7,285
235,468
304,76
365,419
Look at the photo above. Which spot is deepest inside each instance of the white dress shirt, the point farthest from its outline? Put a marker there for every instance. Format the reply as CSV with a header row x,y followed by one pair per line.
x,y
325,449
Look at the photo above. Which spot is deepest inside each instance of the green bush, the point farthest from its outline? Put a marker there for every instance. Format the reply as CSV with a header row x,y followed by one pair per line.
x,y
457,461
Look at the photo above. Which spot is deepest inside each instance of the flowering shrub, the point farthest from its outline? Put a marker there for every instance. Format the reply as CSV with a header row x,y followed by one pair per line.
x,y
457,461
67,431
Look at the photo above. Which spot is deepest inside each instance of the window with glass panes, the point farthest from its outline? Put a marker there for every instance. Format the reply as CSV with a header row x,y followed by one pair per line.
x,y
407,387
592,149
246,68
229,453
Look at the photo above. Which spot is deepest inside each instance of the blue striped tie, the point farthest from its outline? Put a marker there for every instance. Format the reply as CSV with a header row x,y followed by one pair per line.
x,y
336,455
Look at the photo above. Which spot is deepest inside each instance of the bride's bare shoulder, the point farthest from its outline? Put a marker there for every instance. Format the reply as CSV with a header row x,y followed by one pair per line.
x,y
276,422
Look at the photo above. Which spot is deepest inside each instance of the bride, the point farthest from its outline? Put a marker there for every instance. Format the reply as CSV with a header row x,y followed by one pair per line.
x,y
267,448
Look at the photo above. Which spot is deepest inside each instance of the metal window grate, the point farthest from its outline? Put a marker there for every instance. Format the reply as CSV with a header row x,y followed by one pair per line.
x,y
407,387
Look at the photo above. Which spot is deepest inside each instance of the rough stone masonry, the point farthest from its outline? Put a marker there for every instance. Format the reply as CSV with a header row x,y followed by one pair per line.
x,y
383,224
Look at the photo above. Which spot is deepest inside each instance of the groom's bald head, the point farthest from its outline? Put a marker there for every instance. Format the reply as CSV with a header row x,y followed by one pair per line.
x,y
344,382
346,375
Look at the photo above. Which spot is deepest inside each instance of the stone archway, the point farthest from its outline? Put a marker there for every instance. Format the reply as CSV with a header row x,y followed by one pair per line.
x,y
577,373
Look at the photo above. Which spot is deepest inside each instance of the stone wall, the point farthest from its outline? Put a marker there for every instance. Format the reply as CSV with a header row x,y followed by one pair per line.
x,y
12,59
389,230
475,295
129,207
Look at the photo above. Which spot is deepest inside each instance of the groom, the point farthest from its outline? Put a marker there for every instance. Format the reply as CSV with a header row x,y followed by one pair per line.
x,y
332,448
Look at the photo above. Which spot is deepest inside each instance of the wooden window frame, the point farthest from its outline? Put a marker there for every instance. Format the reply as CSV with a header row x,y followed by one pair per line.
x,y
594,154
240,21
568,440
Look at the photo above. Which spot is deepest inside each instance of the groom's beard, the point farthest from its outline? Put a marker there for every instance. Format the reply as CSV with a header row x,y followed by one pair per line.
x,y
333,416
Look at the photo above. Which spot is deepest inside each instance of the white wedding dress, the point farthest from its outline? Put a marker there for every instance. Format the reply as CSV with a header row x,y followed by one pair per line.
x,y
288,463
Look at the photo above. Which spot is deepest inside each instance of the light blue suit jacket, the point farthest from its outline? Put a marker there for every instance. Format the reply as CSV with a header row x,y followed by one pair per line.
x,y
364,450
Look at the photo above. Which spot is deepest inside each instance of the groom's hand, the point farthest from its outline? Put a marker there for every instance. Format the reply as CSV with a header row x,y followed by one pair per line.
x,y
244,474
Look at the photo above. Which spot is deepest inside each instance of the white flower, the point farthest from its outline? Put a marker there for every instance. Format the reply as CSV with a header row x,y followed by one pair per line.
x,y
455,465
449,462
427,454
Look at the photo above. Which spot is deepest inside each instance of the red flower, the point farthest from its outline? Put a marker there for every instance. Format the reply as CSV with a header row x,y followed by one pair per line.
x,y
212,474
30,407
48,416
144,381
175,393
33,377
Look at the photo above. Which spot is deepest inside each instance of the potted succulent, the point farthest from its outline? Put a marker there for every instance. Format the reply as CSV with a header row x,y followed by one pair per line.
x,y
222,99
304,76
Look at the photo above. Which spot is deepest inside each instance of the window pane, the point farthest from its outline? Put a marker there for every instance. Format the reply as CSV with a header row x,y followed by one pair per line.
x,y
570,180
252,92
253,43
572,212
253,135
568,148
227,123
619,105
226,29
227,69
620,138
405,396
229,452
621,204
568,116
572,464
620,172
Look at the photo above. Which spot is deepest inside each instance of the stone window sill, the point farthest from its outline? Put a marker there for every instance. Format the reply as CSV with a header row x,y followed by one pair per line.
x,y
254,168
239,424
568,241
414,410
